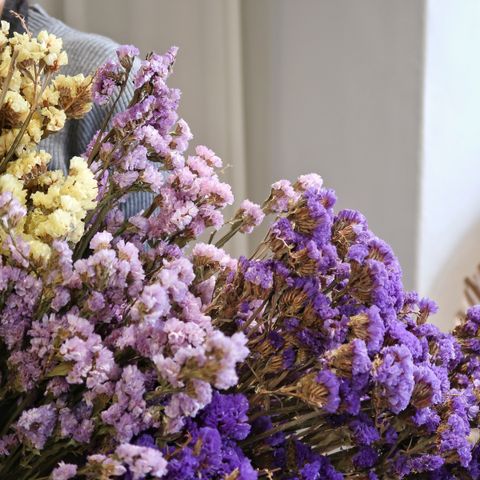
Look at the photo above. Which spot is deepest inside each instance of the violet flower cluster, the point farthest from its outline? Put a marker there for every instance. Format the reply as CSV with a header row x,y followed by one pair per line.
x,y
346,379
107,338
133,349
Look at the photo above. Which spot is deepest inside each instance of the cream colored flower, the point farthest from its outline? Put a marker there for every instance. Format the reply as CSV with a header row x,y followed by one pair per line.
x,y
9,183
28,162
5,60
4,29
55,118
39,251
81,183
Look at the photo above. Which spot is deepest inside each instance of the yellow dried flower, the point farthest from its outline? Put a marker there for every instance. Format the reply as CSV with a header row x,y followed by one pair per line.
x,y
57,224
39,251
14,110
54,119
27,48
5,60
4,29
49,178
81,183
35,130
28,163
75,94
9,183
50,96
57,204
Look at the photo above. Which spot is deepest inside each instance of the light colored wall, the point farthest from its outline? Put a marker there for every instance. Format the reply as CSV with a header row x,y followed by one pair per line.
x,y
449,247
335,87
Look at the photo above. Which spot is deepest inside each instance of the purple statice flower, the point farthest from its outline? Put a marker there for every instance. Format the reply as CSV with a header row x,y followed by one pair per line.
x,y
351,359
64,471
330,383
7,442
21,290
103,466
426,307
351,226
183,405
313,217
228,414
107,78
183,466
427,390
366,457
474,466
142,461
276,340
91,362
311,340
11,211
217,357
211,452
310,180
233,350
190,202
151,138
126,55
361,362
35,426
426,418
181,137
281,197
357,252
156,66
210,456
308,464
135,114
363,430
76,422
209,156
250,215
153,304
289,356
281,234
423,463
351,394
257,272
454,440
393,377
369,326
129,414
206,254
471,323
400,334
454,430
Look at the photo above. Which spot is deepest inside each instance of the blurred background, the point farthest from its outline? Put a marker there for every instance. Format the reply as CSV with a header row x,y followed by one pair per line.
x,y
380,97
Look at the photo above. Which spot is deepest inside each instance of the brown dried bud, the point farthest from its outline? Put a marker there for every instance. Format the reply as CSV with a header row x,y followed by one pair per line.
x,y
302,263
359,326
312,392
292,302
360,285
422,395
302,218
340,360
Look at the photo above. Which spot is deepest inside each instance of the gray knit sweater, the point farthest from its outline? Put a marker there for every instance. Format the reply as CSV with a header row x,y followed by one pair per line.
x,y
86,51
